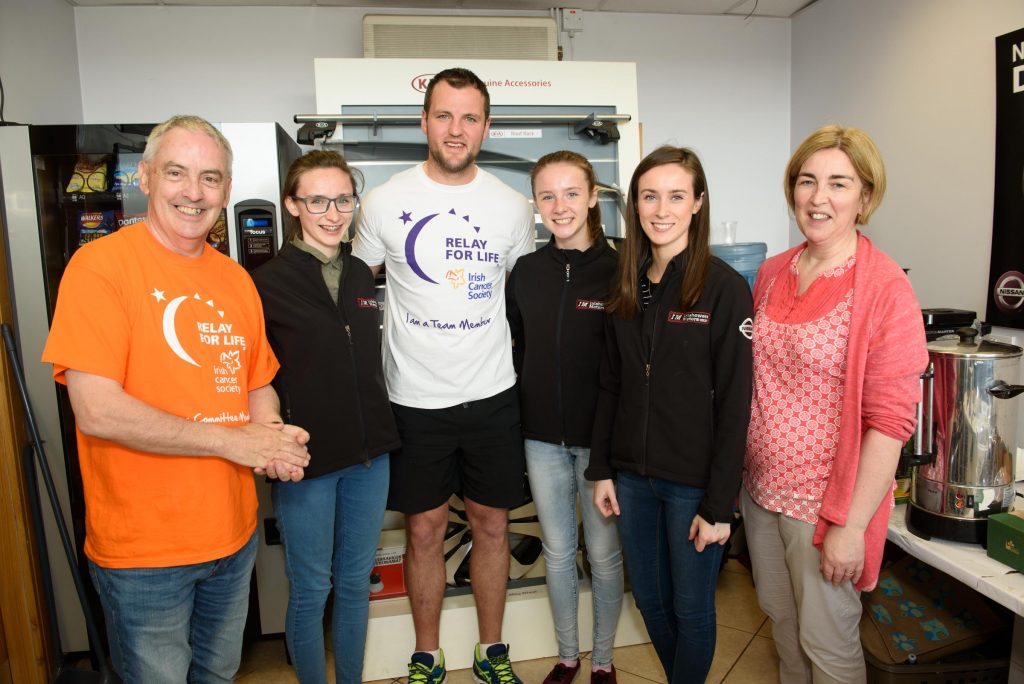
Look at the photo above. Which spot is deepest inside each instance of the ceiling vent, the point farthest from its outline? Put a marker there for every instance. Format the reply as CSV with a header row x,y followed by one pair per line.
x,y
459,37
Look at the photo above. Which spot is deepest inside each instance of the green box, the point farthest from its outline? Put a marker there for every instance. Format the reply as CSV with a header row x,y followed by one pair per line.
x,y
902,492
1006,539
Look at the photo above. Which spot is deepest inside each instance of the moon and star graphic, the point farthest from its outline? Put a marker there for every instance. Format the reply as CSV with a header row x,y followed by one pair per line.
x,y
169,317
417,229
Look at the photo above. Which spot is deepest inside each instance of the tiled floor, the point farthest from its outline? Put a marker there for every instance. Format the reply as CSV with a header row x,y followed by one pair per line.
x,y
745,653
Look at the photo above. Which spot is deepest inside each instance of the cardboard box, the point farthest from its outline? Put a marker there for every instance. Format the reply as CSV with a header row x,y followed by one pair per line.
x,y
922,612
1006,538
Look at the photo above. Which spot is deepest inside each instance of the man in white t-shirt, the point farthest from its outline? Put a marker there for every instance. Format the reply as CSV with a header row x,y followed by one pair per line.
x,y
448,232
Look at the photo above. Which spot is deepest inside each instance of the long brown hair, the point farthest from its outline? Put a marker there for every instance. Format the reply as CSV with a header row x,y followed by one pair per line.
x,y
635,251
312,160
595,230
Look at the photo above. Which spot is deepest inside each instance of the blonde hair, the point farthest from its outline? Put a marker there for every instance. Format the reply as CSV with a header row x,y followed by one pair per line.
x,y
861,150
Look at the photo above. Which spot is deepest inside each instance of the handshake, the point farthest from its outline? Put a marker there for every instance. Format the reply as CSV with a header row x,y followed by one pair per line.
x,y
275,449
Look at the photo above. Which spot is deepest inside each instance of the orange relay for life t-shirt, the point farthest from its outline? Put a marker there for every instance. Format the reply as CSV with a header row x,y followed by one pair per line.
x,y
184,335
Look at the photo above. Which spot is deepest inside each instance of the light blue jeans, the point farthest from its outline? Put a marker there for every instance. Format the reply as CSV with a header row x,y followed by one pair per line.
x,y
330,527
673,584
177,624
556,479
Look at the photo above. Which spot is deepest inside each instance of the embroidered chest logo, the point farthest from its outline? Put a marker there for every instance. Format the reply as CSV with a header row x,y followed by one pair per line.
x,y
367,303
695,317
747,328
589,305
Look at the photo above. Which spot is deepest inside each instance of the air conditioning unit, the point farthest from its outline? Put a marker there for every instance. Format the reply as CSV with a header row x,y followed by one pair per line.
x,y
459,37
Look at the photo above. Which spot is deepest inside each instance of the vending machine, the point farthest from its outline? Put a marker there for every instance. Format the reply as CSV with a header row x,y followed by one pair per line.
x,y
64,186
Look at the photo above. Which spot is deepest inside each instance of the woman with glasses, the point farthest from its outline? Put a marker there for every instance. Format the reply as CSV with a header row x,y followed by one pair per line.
x,y
321,317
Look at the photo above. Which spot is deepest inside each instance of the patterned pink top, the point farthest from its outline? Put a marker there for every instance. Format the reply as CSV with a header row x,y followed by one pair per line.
x,y
800,344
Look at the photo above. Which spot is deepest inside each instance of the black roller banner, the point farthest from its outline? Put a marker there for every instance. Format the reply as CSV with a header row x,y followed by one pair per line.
x,y
1006,271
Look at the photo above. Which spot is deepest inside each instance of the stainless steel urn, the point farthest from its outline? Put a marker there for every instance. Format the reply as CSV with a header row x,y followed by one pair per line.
x,y
973,425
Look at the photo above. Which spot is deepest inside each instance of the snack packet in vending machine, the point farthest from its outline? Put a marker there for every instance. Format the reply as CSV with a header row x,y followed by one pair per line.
x,y
95,224
90,175
126,172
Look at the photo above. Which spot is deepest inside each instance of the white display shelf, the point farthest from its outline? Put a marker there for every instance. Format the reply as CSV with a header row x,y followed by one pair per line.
x,y
527,628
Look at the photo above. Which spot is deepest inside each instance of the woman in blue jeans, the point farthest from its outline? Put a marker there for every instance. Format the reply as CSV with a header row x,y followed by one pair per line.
x,y
555,300
673,408
321,318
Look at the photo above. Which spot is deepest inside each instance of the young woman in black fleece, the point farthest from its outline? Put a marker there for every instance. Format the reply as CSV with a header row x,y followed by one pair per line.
x,y
321,318
555,303
673,409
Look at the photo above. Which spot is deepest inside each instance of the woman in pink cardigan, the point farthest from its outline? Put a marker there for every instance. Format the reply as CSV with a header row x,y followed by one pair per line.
x,y
838,347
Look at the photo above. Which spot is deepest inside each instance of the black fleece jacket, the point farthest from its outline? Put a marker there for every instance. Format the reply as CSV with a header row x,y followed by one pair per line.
x,y
331,382
555,302
675,389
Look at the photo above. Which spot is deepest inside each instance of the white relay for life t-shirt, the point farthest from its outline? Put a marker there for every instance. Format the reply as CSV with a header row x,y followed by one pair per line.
x,y
446,250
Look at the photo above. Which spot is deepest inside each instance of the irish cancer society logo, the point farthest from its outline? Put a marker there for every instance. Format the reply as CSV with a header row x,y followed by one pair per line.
x,y
1009,292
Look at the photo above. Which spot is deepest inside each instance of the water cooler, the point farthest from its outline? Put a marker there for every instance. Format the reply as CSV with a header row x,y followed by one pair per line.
x,y
745,257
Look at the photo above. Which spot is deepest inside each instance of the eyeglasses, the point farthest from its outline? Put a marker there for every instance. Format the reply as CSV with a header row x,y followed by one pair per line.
x,y
210,179
315,204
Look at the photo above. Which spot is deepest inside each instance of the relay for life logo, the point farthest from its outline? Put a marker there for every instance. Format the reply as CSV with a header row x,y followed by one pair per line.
x,y
206,327
461,246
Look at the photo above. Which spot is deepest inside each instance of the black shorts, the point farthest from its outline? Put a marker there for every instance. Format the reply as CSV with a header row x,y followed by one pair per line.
x,y
475,448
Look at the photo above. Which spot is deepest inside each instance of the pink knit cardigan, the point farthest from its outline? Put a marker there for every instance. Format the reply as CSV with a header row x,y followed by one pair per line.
x,y
885,356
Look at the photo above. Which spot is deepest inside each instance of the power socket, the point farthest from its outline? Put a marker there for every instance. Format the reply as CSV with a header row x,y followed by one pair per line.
x,y
572,19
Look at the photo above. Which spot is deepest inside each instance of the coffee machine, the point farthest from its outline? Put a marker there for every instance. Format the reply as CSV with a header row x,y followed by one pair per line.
x,y
962,452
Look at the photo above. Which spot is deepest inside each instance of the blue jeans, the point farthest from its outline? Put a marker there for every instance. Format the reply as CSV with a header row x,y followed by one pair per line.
x,y
330,527
556,478
673,585
177,624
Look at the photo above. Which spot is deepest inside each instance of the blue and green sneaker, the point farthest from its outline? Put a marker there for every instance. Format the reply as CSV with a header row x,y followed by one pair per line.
x,y
423,670
495,668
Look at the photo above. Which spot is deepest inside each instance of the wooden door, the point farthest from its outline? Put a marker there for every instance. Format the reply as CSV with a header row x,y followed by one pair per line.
x,y
24,624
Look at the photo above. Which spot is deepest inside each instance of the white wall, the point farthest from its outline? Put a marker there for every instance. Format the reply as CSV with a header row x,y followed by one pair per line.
x,y
39,62
718,84
918,76
244,64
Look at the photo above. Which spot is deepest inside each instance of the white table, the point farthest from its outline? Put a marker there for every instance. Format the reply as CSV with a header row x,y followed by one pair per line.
x,y
969,564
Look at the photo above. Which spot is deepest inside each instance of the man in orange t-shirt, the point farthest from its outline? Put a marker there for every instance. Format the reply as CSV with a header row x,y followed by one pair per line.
x,y
160,341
